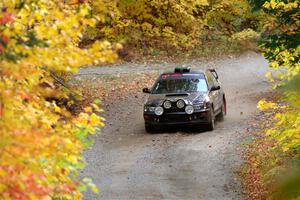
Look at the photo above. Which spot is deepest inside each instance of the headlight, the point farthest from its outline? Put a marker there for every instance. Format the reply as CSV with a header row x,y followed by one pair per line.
x,y
159,111
180,103
206,105
199,106
206,102
189,109
149,109
167,104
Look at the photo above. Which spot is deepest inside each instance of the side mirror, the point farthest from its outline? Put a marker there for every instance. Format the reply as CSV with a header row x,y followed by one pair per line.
x,y
214,88
146,90
214,73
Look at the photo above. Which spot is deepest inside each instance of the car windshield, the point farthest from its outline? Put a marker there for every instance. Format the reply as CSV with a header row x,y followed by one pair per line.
x,y
178,83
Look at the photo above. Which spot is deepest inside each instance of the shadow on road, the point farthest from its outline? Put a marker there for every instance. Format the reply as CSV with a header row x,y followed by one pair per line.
x,y
181,128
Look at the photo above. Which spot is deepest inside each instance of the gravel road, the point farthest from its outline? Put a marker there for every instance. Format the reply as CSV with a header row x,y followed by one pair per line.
x,y
127,163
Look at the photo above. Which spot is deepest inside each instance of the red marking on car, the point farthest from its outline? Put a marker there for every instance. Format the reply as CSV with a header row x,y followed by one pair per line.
x,y
176,75
170,75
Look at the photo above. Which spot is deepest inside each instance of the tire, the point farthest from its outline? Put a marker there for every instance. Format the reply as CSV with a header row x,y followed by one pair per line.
x,y
211,124
150,128
223,112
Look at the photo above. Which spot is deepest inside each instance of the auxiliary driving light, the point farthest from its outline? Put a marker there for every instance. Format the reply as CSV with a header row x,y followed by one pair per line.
x,y
167,104
189,109
159,111
180,104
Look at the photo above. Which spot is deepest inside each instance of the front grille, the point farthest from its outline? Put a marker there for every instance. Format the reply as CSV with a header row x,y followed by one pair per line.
x,y
175,118
182,117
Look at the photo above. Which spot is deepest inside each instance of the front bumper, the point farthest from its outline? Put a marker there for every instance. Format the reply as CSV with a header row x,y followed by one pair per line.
x,y
178,118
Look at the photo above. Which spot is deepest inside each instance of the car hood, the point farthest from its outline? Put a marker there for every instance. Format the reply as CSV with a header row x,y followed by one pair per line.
x,y
189,98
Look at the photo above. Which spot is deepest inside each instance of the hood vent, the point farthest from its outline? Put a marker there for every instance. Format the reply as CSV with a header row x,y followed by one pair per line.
x,y
177,95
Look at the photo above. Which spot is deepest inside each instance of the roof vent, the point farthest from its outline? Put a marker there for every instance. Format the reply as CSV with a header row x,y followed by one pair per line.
x,y
182,70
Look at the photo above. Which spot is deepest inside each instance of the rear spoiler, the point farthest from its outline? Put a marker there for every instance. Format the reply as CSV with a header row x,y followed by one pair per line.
x,y
214,72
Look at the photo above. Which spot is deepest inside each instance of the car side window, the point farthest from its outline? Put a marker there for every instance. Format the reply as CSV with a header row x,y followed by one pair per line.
x,y
210,80
216,82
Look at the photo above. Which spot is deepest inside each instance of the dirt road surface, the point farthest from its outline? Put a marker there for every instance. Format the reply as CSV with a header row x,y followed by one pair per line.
x,y
127,163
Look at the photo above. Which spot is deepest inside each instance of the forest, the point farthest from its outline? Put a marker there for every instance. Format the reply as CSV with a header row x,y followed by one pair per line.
x,y
46,125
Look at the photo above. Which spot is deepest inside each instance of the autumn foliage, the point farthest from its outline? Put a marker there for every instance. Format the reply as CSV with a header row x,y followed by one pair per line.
x,y
42,142
171,25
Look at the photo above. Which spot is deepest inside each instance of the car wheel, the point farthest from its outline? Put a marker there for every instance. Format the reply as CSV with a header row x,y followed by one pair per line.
x,y
223,112
211,124
150,128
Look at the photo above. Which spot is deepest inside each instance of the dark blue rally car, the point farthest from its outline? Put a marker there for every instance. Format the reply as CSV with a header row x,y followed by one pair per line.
x,y
184,97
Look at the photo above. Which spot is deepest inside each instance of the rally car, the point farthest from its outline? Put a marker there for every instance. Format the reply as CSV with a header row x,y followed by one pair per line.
x,y
184,97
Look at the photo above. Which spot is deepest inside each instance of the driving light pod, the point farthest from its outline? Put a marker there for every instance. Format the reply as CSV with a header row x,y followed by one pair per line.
x,y
180,104
159,111
167,104
189,109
